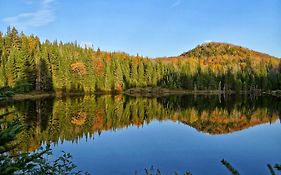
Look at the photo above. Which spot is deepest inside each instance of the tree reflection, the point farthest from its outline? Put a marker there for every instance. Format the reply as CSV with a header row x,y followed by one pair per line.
x,y
71,119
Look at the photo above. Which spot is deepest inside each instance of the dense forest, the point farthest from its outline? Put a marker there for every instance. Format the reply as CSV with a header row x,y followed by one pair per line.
x,y
27,64
50,120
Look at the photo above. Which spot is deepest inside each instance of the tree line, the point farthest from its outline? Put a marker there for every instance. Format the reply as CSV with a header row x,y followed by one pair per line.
x,y
27,64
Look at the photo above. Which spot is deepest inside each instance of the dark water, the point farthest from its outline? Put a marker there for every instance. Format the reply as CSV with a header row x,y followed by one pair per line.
x,y
122,135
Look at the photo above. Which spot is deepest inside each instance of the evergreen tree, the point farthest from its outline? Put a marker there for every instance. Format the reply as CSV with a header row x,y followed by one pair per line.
x,y
27,64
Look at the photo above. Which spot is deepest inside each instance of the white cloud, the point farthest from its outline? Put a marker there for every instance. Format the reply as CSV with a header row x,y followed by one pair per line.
x,y
43,16
176,3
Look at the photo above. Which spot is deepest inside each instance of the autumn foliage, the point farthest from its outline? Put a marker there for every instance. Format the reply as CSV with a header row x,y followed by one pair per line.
x,y
79,68
27,64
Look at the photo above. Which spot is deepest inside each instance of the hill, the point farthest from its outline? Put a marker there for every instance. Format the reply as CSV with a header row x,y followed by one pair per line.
x,y
220,53
211,49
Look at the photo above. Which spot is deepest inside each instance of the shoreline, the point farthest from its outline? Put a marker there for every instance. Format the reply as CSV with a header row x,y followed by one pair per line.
x,y
137,92
160,92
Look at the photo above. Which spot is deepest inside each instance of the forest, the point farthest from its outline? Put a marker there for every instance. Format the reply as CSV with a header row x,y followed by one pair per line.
x,y
28,64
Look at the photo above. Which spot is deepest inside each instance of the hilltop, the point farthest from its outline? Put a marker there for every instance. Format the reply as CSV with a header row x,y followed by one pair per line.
x,y
220,53
212,49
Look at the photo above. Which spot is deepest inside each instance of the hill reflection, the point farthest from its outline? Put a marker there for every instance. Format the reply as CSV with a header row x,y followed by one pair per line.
x,y
51,120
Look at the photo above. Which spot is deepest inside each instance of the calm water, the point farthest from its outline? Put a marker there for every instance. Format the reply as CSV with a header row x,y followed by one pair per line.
x,y
122,135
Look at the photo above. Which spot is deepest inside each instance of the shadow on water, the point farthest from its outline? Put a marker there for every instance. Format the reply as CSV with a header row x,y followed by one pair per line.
x,y
51,120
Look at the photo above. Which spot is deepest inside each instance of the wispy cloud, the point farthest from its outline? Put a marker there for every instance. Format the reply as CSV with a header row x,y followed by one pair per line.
x,y
42,16
177,3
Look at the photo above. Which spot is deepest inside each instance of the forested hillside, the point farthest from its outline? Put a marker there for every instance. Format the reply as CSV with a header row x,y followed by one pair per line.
x,y
26,64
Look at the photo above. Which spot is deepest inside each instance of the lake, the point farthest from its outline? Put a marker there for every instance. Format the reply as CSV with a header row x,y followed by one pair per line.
x,y
124,135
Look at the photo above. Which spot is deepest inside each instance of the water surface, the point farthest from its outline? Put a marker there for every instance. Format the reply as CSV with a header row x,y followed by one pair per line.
x,y
123,135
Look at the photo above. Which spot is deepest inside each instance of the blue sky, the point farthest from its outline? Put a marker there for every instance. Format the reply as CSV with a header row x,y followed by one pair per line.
x,y
149,27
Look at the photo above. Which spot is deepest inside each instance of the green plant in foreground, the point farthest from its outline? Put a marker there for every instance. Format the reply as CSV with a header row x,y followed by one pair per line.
x,y
230,167
29,163
278,167
154,171
233,171
271,169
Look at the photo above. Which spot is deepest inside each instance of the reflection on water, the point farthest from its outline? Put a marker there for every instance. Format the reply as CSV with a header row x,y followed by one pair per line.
x,y
72,118
216,115
75,120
